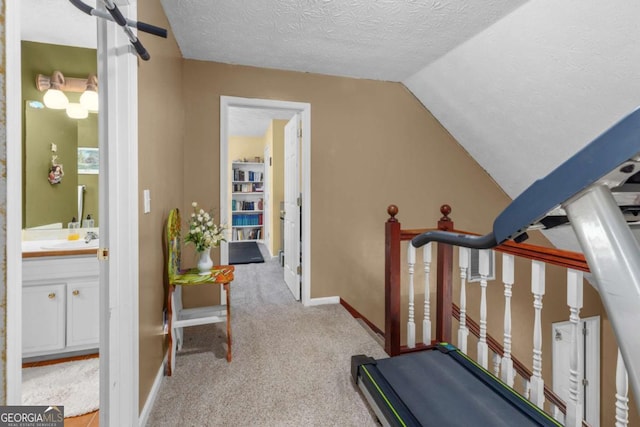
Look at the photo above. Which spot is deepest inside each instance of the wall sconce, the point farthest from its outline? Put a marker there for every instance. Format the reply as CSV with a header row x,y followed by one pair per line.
x,y
57,84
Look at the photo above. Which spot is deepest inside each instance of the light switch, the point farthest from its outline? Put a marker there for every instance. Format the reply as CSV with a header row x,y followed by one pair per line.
x,y
147,201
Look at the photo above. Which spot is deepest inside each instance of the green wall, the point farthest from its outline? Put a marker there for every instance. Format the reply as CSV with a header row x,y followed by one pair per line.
x,y
44,203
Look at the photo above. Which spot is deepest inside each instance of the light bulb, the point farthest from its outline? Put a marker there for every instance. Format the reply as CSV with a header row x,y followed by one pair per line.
x,y
89,100
77,111
55,99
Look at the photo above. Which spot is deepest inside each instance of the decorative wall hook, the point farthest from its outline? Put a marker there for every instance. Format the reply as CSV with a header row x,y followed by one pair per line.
x,y
56,171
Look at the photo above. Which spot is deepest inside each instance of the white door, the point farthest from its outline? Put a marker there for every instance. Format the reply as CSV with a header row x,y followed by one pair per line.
x,y
291,208
588,361
266,202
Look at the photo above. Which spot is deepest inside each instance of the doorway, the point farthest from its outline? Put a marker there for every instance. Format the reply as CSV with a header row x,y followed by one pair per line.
x,y
282,110
118,213
588,364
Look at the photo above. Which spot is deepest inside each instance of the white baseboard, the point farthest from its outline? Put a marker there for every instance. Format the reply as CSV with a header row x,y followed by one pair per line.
x,y
153,393
323,301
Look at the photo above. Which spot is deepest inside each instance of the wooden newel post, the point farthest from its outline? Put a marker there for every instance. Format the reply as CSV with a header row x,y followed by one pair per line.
x,y
444,280
392,283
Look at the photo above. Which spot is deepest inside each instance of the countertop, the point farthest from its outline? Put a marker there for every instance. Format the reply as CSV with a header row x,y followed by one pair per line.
x,y
60,247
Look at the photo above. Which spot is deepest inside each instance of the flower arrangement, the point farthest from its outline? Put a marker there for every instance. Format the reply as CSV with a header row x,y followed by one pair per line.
x,y
202,230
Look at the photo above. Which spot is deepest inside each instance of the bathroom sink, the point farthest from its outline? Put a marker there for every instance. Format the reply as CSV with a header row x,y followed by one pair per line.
x,y
73,245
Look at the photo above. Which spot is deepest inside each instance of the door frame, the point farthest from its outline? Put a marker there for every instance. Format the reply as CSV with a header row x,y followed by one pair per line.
x,y
266,200
118,131
304,109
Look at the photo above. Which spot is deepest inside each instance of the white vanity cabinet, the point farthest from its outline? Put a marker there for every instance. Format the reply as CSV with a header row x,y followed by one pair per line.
x,y
60,305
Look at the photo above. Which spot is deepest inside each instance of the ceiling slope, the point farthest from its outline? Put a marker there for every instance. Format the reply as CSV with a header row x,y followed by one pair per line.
x,y
528,92
382,39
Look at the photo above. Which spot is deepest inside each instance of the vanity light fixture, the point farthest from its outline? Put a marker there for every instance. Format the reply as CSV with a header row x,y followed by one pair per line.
x,y
57,84
54,97
89,98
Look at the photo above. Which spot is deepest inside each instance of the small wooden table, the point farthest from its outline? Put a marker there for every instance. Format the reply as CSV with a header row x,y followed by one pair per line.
x,y
179,317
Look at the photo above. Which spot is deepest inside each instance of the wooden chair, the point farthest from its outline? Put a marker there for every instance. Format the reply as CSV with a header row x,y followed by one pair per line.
x,y
180,317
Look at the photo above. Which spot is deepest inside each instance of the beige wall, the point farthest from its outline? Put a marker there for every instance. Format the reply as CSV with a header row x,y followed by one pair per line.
x,y
161,170
372,144
246,147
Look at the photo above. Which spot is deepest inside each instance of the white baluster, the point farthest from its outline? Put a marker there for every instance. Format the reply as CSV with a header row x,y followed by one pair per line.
x,y
426,320
507,279
622,397
537,288
411,326
574,301
496,364
483,348
526,388
557,414
463,331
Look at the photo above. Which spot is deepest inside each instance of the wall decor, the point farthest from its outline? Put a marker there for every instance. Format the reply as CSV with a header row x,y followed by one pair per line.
x,y
88,160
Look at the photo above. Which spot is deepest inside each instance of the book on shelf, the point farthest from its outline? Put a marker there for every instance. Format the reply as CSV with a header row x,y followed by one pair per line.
x,y
247,234
246,220
244,175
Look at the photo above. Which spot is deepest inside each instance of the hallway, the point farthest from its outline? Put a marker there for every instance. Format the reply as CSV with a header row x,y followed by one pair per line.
x,y
291,364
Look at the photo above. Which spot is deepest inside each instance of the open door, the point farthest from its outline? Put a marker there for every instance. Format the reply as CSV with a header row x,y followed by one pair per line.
x,y
292,206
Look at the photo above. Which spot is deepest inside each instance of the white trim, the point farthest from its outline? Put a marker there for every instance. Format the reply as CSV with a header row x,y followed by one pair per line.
x,y
304,109
323,301
118,181
13,102
153,393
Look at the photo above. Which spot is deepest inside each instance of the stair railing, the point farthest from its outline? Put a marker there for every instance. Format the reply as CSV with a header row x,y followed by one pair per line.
x,y
503,362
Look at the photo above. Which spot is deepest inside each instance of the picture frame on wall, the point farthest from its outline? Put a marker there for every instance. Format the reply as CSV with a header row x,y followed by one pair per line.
x,y
88,160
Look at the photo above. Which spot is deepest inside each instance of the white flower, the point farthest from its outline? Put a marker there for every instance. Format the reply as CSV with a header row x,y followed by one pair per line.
x,y
202,230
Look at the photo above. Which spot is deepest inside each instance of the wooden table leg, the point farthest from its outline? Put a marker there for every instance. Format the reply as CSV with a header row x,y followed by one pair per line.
x,y
227,289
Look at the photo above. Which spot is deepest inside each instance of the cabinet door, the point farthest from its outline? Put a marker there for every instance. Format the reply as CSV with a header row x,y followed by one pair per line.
x,y
43,316
82,312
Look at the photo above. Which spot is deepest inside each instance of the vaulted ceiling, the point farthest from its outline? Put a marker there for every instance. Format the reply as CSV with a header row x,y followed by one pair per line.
x,y
522,85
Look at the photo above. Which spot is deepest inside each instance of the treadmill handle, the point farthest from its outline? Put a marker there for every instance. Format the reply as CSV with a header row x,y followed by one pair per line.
x,y
474,242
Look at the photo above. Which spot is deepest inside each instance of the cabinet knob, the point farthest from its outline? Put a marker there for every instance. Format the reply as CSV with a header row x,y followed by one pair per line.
x,y
52,295
76,292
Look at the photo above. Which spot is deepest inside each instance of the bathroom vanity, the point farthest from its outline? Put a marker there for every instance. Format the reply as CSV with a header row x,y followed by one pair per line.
x,y
60,298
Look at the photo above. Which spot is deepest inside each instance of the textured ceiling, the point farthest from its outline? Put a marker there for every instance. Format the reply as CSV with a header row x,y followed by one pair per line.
x,y
382,39
537,86
253,121
57,22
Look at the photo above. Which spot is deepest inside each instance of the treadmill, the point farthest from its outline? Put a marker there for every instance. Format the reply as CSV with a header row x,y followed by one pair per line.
x,y
597,192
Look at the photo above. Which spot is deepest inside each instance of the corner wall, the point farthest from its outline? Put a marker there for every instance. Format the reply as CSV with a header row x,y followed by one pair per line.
x,y
161,170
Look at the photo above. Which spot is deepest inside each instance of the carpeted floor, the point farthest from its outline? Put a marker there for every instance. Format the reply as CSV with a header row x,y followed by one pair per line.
x,y
291,364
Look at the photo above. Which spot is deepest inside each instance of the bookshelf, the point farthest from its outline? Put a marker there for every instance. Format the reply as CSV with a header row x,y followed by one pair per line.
x,y
247,191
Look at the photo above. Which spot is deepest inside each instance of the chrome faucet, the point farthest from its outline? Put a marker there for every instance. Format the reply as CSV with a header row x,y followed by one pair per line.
x,y
90,236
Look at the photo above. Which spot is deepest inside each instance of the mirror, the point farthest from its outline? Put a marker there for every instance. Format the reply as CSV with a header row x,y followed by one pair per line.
x,y
55,195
